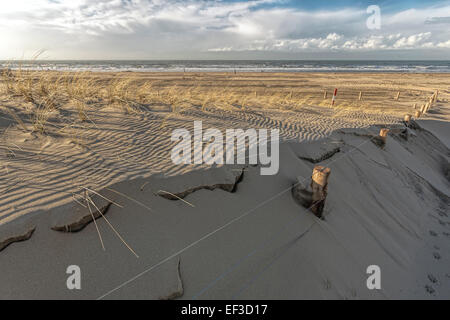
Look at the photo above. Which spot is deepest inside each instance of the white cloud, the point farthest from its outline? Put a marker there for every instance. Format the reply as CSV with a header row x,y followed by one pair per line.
x,y
335,42
445,44
160,28
412,41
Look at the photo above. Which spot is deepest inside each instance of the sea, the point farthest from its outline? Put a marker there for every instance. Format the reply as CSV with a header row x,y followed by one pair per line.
x,y
419,66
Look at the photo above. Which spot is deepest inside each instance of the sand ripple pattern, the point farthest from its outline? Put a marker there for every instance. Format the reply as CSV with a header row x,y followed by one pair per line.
x,y
42,172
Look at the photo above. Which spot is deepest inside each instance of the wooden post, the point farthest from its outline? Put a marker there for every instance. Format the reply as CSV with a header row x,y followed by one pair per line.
x,y
319,187
407,118
398,96
436,95
360,96
383,133
417,114
415,105
422,108
381,139
427,107
325,94
333,100
290,95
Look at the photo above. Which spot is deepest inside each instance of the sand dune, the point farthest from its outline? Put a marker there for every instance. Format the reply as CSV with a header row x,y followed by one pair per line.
x,y
386,206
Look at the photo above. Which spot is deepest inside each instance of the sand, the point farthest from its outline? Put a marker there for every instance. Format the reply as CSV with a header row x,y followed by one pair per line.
x,y
246,238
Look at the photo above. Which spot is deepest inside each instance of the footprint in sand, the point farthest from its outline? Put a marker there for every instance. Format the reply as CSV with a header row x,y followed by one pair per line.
x,y
327,284
432,278
434,234
429,289
436,255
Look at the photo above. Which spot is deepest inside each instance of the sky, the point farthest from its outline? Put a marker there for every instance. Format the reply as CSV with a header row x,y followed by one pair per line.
x,y
232,29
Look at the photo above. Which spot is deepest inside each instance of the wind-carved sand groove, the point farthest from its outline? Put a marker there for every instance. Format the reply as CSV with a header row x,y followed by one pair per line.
x,y
228,187
180,289
16,238
322,157
79,223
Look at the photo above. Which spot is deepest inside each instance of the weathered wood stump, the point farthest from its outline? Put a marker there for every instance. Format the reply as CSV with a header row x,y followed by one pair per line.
x,y
383,133
313,197
319,187
380,140
417,114
407,118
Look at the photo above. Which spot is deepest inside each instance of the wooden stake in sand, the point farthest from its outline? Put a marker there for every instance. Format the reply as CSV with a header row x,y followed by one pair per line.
x,y
360,96
422,108
313,198
383,133
381,139
417,114
325,94
319,187
415,105
407,118
333,99
398,96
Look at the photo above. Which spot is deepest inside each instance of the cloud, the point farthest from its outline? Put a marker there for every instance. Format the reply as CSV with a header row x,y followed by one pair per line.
x,y
188,29
412,41
336,42
445,44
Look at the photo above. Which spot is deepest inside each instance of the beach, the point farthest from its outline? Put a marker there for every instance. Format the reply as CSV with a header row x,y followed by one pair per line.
x,y
82,145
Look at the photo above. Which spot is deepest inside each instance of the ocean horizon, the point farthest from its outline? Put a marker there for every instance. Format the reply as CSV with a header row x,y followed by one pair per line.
x,y
407,66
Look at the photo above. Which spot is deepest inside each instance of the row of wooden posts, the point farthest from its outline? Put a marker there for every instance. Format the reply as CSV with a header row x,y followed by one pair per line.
x,y
360,97
320,175
426,106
